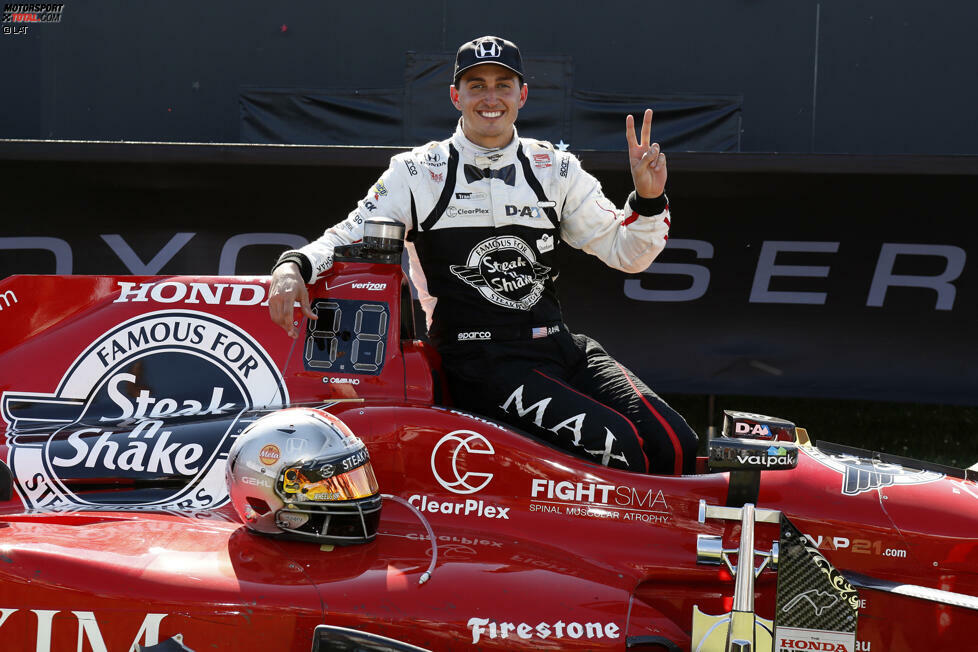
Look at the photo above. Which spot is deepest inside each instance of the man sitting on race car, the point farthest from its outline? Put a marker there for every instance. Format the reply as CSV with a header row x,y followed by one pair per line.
x,y
484,212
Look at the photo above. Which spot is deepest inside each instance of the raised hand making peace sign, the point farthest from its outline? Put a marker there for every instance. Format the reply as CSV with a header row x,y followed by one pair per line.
x,y
647,162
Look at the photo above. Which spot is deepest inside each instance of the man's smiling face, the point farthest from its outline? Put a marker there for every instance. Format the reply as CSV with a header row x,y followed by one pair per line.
x,y
489,97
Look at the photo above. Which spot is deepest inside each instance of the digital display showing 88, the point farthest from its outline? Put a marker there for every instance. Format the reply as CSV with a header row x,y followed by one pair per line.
x,y
349,337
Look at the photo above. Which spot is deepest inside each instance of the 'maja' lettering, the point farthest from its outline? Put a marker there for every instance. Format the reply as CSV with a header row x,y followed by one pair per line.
x,y
88,629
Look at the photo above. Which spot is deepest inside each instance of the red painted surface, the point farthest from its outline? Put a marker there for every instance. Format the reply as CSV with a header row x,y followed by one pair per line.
x,y
535,548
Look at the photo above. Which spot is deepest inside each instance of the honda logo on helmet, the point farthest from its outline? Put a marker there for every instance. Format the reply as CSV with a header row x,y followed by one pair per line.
x,y
487,50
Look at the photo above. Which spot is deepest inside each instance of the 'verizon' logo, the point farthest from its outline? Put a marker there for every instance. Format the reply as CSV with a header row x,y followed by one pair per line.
x,y
119,417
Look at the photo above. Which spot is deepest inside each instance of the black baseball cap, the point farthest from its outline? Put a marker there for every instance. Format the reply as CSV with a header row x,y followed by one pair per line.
x,y
488,49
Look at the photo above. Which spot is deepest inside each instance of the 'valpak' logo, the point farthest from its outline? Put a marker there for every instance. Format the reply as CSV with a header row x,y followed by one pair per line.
x,y
776,456
122,411
505,271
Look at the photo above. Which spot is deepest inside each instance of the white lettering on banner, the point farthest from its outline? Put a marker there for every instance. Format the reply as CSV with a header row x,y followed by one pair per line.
x,y
63,260
491,629
88,629
699,274
884,277
766,269
135,264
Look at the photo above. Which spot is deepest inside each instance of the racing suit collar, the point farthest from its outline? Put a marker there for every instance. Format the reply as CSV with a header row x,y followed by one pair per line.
x,y
488,158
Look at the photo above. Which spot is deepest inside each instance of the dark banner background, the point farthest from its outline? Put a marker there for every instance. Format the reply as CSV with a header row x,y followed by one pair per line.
x,y
733,333
861,76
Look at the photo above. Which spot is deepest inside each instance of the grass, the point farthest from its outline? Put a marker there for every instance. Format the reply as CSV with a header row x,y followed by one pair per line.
x,y
938,433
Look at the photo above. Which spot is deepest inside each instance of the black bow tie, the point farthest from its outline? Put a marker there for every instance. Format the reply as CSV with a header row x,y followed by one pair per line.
x,y
506,174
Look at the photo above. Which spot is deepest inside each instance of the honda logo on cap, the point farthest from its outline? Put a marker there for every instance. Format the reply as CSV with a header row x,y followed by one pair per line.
x,y
487,50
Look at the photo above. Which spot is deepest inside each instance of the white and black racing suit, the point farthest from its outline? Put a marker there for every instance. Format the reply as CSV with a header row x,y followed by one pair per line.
x,y
483,227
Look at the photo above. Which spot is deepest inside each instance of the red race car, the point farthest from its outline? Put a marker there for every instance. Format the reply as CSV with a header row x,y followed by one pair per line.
x,y
162,491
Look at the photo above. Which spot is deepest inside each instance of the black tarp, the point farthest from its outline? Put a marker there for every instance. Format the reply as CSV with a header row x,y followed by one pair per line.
x,y
315,117
685,123
419,112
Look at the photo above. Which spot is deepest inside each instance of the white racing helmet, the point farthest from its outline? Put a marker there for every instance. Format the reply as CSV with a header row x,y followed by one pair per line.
x,y
301,473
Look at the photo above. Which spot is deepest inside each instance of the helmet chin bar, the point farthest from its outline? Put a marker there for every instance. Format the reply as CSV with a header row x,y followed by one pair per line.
x,y
360,511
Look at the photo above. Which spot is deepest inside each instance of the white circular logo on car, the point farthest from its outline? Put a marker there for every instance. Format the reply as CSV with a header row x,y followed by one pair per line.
x,y
154,404
453,449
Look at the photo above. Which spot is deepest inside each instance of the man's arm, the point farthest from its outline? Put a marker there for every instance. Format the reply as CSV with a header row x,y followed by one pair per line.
x,y
389,197
628,239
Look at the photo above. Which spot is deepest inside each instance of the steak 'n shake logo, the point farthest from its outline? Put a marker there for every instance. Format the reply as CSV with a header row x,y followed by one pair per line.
x,y
144,417
504,269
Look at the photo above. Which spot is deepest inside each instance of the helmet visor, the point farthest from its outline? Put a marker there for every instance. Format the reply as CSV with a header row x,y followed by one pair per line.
x,y
305,483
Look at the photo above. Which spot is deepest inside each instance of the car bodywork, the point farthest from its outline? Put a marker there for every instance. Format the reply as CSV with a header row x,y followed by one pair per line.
x,y
122,395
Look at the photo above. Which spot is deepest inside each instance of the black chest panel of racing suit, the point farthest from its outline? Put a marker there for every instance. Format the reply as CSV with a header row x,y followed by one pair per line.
x,y
486,276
